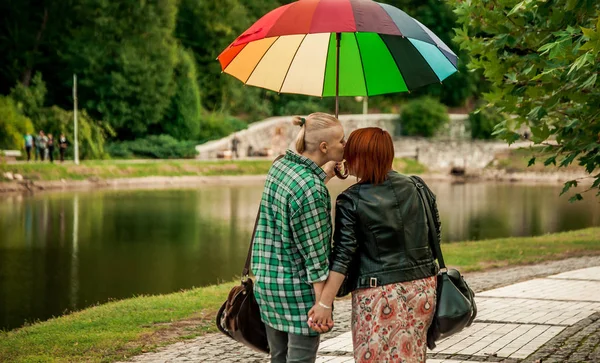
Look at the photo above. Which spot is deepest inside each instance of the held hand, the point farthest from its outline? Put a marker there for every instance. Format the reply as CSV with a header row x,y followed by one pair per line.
x,y
329,169
320,319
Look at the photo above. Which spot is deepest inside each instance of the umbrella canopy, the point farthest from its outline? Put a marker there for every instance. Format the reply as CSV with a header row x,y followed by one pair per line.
x,y
338,47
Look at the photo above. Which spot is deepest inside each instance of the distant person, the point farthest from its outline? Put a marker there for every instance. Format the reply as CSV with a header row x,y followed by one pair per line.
x,y
40,145
62,147
278,142
28,145
235,142
50,147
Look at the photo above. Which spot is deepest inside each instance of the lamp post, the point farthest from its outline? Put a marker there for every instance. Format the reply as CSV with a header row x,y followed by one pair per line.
x,y
75,138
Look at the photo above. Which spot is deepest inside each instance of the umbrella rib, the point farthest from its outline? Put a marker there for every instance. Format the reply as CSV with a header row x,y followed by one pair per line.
x,y
362,64
261,58
291,62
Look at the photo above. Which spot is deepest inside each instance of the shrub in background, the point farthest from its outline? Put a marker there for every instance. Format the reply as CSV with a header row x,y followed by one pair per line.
x,y
422,117
13,125
153,147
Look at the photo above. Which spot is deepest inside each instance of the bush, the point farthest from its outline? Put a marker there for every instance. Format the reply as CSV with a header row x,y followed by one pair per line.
x,y
13,125
483,121
153,147
422,117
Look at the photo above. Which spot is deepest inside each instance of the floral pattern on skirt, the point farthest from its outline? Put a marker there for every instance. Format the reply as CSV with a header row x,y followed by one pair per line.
x,y
389,323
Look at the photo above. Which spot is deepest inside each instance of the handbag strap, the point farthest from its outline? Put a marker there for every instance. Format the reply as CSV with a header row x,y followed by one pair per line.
x,y
435,245
246,270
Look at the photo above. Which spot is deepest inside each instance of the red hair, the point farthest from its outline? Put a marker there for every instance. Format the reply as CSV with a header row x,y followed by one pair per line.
x,y
369,153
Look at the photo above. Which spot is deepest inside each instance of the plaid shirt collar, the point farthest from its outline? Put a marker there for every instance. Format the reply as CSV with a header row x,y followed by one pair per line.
x,y
311,165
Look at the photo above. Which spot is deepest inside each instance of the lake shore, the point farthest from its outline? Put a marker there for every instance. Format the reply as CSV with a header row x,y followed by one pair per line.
x,y
235,173
119,329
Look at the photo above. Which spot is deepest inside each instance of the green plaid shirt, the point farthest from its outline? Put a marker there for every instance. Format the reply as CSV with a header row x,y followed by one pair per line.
x,y
292,242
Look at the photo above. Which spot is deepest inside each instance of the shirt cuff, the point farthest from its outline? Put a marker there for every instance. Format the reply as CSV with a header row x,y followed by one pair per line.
x,y
317,275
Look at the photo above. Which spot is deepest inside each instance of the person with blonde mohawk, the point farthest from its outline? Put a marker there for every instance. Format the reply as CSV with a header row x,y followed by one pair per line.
x,y
290,255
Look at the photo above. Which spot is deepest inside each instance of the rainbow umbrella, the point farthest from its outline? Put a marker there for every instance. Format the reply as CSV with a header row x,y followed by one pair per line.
x,y
338,48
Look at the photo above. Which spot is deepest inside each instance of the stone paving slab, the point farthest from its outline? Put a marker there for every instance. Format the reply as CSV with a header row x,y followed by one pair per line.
x,y
341,343
592,273
501,340
550,289
533,311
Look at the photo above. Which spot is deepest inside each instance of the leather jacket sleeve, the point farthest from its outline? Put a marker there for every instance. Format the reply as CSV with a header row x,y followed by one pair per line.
x,y
344,237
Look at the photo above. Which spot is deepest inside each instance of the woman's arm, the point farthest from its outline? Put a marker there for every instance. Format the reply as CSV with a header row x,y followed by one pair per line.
x,y
344,249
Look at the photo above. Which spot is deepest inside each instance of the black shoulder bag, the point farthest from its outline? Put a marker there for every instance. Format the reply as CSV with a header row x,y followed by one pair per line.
x,y
455,301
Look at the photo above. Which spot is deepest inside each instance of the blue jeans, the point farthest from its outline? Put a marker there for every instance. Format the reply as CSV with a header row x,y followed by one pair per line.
x,y
292,348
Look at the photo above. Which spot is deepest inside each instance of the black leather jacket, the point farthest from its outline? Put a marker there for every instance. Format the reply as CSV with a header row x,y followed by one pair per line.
x,y
381,234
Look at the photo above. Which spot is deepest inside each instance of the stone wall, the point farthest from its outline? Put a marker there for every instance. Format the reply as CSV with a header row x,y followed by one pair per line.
x,y
451,147
261,135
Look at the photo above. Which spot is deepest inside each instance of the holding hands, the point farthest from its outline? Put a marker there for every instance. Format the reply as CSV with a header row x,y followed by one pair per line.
x,y
320,318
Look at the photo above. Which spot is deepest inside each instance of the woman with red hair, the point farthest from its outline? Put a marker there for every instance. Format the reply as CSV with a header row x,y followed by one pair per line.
x,y
381,254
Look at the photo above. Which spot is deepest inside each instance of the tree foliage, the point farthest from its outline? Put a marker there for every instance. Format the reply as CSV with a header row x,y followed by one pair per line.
x,y
149,67
183,117
483,121
542,59
124,53
13,125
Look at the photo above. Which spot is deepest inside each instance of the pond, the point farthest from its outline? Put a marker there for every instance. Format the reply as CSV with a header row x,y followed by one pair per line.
x,y
61,252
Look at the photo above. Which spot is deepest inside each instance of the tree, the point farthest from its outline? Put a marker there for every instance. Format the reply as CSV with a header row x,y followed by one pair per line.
x,y
542,59
207,27
13,124
182,119
124,54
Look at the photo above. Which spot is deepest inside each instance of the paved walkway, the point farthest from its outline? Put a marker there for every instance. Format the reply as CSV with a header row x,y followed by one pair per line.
x,y
546,313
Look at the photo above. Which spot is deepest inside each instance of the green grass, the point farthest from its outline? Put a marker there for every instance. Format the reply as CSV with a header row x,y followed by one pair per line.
x,y
120,329
114,169
480,255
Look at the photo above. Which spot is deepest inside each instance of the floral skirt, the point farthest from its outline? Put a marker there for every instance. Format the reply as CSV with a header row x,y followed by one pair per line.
x,y
389,323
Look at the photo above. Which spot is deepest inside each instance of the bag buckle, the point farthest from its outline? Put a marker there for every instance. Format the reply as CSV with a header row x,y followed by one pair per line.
x,y
373,282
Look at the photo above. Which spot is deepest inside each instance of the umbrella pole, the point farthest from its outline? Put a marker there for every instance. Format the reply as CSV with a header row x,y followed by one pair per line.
x,y
338,37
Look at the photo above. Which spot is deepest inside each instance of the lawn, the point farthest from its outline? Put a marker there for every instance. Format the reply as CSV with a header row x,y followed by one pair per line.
x,y
113,169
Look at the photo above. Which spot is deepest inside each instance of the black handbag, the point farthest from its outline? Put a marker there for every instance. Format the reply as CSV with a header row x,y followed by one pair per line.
x,y
455,301
239,316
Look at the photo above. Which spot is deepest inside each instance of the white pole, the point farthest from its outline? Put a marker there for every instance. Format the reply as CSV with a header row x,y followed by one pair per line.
x,y
75,141
365,105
